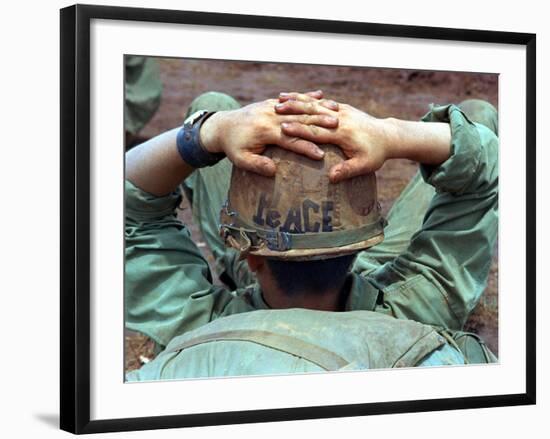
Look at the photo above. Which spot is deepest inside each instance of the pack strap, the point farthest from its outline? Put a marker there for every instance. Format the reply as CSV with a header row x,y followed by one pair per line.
x,y
283,241
322,357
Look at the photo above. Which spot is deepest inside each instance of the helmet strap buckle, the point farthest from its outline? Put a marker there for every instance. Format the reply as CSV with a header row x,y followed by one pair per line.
x,y
278,241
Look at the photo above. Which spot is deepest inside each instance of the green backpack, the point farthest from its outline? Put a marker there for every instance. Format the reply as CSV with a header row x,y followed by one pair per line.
x,y
296,341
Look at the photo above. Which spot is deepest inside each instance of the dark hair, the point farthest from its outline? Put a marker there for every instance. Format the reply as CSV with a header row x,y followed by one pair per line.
x,y
295,277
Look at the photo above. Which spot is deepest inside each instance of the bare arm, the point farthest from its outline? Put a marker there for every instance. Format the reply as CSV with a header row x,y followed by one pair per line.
x,y
156,166
426,143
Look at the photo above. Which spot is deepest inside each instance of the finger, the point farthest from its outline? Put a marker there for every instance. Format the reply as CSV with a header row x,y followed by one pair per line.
x,y
255,163
301,146
317,94
308,96
331,105
308,132
296,97
348,168
321,120
327,103
301,107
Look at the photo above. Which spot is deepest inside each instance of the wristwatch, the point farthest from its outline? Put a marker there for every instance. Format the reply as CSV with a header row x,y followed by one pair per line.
x,y
191,150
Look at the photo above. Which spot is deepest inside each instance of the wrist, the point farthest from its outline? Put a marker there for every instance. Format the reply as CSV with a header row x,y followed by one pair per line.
x,y
189,144
422,142
210,133
392,138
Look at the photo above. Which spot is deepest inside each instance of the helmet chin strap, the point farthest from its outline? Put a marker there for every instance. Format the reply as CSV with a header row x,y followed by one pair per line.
x,y
252,237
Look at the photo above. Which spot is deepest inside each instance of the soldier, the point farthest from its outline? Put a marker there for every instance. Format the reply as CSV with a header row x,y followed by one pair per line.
x,y
142,95
305,236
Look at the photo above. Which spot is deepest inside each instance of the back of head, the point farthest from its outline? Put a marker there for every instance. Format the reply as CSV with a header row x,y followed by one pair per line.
x,y
299,214
316,276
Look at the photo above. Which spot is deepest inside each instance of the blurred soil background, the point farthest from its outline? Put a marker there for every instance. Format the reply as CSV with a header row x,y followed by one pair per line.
x,y
405,94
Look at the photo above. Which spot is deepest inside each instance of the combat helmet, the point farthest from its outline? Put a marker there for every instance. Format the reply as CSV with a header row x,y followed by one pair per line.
x,y
299,214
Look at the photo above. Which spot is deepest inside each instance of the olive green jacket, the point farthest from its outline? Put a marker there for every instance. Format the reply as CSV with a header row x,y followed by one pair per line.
x,y
286,341
436,279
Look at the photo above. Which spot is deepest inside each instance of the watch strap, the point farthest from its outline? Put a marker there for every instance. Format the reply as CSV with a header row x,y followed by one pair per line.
x,y
189,145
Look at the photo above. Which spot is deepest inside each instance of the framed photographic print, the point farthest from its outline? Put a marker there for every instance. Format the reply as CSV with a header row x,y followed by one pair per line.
x,y
304,218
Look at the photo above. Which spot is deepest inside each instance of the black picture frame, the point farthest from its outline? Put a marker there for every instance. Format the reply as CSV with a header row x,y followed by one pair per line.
x,y
75,217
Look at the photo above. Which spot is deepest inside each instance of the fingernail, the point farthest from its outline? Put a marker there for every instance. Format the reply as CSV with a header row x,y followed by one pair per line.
x,y
279,106
283,94
319,152
332,104
285,124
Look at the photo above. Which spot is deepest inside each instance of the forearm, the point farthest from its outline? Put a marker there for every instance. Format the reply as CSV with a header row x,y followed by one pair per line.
x,y
156,166
426,143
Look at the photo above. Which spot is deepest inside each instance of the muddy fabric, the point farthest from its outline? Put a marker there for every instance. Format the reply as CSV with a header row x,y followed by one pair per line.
x,y
481,112
298,340
431,268
437,272
143,89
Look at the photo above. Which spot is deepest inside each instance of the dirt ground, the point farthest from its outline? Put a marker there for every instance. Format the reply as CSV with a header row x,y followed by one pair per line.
x,y
404,94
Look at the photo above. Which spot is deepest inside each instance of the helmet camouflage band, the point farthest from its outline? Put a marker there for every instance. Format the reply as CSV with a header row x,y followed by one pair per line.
x,y
299,214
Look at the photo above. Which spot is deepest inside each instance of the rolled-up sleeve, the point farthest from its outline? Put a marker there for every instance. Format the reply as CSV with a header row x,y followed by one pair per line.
x,y
439,279
168,284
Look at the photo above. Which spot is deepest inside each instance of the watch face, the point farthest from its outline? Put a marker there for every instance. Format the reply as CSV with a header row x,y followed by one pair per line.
x,y
194,117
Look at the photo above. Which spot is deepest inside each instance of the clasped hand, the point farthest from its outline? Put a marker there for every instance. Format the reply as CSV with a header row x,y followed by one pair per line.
x,y
299,122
